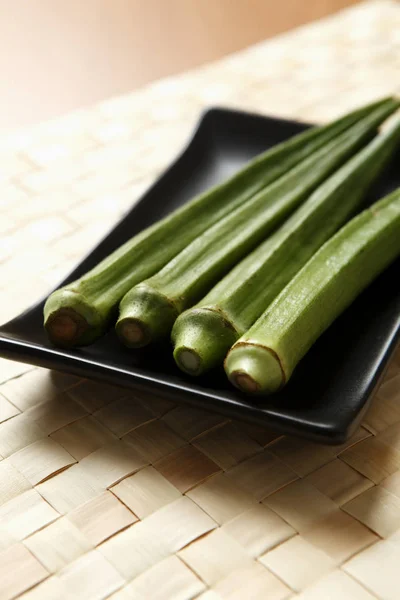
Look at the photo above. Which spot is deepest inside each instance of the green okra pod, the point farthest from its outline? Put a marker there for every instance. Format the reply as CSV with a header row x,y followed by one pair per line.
x,y
264,358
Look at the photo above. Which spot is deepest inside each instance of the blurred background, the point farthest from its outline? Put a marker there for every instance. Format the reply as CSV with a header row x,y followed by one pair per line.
x,y
56,56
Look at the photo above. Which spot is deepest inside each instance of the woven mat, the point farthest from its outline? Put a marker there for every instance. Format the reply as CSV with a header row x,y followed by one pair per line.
x,y
105,494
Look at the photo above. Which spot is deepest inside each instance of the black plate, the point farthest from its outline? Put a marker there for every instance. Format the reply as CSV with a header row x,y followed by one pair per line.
x,y
331,387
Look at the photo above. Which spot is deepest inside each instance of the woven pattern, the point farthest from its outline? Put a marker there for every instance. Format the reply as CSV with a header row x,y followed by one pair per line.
x,y
107,494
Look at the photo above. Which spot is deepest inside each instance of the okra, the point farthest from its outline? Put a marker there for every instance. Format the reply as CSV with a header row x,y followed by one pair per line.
x,y
203,334
148,310
264,358
82,310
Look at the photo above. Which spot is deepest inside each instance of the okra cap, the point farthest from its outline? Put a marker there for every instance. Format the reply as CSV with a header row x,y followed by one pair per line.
x,y
70,320
201,339
146,316
254,369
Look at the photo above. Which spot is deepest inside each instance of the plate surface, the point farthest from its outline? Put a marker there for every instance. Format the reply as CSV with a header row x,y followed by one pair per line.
x,y
331,387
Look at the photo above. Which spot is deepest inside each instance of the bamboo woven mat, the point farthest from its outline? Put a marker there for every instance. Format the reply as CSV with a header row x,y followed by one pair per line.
x,y
106,494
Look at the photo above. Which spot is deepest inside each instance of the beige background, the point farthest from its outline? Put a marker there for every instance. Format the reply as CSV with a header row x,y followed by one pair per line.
x,y
107,494
56,55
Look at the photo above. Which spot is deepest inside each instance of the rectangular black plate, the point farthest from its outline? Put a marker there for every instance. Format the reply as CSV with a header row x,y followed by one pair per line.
x,y
331,387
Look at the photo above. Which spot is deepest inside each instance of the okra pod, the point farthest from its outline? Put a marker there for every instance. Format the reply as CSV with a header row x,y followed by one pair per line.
x,y
264,358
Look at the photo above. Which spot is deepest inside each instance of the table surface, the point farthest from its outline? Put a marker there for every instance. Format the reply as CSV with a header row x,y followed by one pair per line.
x,y
106,494
126,46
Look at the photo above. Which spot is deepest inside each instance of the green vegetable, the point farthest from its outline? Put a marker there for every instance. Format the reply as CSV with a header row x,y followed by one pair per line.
x,y
203,334
81,311
264,358
148,311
